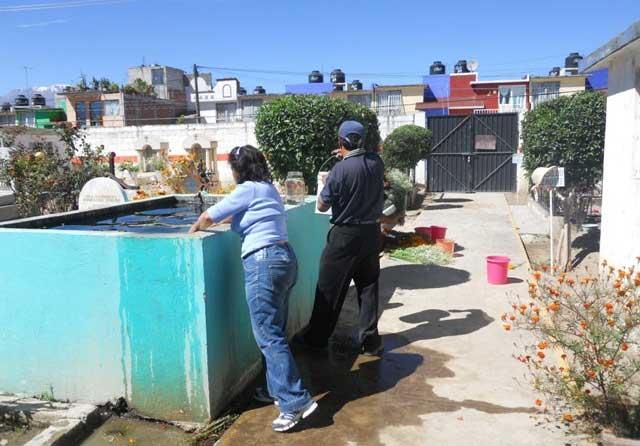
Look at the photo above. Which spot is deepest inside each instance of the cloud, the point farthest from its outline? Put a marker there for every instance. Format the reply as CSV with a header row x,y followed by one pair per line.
x,y
43,24
59,5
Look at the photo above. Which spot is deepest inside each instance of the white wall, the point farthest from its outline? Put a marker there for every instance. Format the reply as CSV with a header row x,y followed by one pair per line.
x,y
620,239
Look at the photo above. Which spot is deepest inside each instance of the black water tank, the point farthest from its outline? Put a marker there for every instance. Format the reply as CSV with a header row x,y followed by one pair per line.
x,y
555,71
572,60
461,67
21,101
259,90
38,99
316,77
6,107
242,91
356,84
437,67
338,87
337,76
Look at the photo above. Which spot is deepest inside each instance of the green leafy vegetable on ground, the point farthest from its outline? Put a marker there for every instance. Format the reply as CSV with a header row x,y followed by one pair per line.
x,y
424,254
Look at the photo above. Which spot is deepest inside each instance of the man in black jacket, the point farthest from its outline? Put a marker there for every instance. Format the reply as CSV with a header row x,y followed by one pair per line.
x,y
354,190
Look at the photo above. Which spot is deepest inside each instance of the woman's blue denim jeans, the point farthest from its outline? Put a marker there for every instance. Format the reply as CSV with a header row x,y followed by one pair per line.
x,y
270,273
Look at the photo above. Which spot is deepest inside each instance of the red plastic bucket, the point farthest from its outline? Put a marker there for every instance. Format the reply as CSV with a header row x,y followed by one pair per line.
x,y
497,269
438,232
424,232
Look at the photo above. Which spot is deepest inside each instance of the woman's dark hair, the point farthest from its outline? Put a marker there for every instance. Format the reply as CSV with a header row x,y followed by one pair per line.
x,y
249,164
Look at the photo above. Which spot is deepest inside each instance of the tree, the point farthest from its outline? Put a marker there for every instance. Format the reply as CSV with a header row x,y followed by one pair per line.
x,y
405,146
567,132
139,86
47,180
298,132
108,87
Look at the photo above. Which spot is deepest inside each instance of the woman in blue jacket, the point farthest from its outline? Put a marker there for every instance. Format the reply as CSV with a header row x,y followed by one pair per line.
x,y
270,269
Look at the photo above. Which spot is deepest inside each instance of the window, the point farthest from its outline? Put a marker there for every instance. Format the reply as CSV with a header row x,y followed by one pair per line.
x,y
226,91
112,108
389,102
225,112
512,98
362,99
81,113
157,76
544,91
96,113
250,109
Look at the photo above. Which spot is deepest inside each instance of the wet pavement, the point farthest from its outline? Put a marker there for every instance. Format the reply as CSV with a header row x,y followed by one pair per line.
x,y
126,432
447,376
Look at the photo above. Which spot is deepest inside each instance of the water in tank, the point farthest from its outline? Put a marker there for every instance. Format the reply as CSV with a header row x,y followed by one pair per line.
x,y
259,90
316,77
6,107
38,99
461,67
356,84
555,71
337,76
21,101
437,67
572,60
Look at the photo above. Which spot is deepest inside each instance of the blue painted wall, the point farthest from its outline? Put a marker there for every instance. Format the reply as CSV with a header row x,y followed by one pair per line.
x,y
161,320
437,87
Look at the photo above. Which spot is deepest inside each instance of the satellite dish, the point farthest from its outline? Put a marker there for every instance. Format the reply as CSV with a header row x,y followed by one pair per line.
x,y
473,65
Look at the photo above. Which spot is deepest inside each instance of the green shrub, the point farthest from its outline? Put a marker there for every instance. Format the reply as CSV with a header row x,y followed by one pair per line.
x,y
567,132
405,146
298,132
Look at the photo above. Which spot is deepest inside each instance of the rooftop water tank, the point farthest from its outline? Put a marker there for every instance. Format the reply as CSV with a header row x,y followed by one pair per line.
x,y
337,76
555,71
38,99
356,84
437,67
572,60
316,77
259,90
21,101
242,91
461,67
6,107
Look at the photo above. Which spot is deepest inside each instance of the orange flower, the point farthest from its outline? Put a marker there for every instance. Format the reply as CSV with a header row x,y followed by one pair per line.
x,y
535,319
636,281
545,268
571,281
622,273
624,347
568,418
503,317
608,305
542,345
512,318
538,403
541,355
584,280
536,310
537,275
583,325
507,327
591,374
617,284
555,306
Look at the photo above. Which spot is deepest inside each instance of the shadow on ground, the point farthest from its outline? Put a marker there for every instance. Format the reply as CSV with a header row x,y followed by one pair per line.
x,y
358,395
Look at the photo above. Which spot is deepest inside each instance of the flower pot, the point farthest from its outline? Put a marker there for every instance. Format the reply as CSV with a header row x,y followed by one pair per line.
x,y
610,439
446,245
424,232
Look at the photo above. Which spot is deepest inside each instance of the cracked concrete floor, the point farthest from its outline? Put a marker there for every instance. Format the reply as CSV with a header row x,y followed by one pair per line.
x,y
447,376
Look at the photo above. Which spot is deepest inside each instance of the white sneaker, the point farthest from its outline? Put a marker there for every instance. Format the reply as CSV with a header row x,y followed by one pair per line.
x,y
286,421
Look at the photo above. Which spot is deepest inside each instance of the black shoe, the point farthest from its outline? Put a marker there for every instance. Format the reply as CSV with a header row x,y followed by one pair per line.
x,y
300,341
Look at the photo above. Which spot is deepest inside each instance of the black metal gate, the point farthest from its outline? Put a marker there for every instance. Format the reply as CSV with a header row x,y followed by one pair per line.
x,y
473,153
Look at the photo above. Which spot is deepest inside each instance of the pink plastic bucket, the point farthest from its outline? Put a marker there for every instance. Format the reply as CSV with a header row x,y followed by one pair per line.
x,y
438,232
424,232
497,269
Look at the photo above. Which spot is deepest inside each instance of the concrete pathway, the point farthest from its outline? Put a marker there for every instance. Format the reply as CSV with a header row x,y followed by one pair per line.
x,y
448,376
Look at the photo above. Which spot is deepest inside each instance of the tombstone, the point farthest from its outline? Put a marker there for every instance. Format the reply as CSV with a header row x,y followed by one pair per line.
x,y
99,193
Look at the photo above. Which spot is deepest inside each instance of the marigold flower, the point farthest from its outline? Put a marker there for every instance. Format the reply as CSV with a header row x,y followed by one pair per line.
x,y
507,327
542,345
568,418
622,273
545,268
617,284
636,281
535,319
536,310
555,306
537,275
584,280
591,374
624,347
583,325
538,403
571,281
503,317
541,355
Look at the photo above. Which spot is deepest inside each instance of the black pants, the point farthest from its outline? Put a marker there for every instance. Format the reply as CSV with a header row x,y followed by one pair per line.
x,y
351,253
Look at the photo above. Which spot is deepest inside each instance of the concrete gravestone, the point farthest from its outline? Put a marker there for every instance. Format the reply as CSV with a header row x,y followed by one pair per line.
x,y
101,192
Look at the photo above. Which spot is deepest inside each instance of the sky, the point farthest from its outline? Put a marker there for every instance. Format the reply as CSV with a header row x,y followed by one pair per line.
x,y
279,41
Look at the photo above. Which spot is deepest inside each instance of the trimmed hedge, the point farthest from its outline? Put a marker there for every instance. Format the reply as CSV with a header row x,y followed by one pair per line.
x,y
405,146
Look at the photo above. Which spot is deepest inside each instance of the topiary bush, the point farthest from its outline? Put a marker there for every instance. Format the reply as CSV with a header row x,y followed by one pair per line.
x,y
298,132
567,132
405,146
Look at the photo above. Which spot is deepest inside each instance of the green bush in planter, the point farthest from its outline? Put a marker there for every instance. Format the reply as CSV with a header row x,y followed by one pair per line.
x,y
405,146
298,132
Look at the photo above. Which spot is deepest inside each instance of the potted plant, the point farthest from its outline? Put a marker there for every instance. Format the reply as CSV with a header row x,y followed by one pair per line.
x,y
585,358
